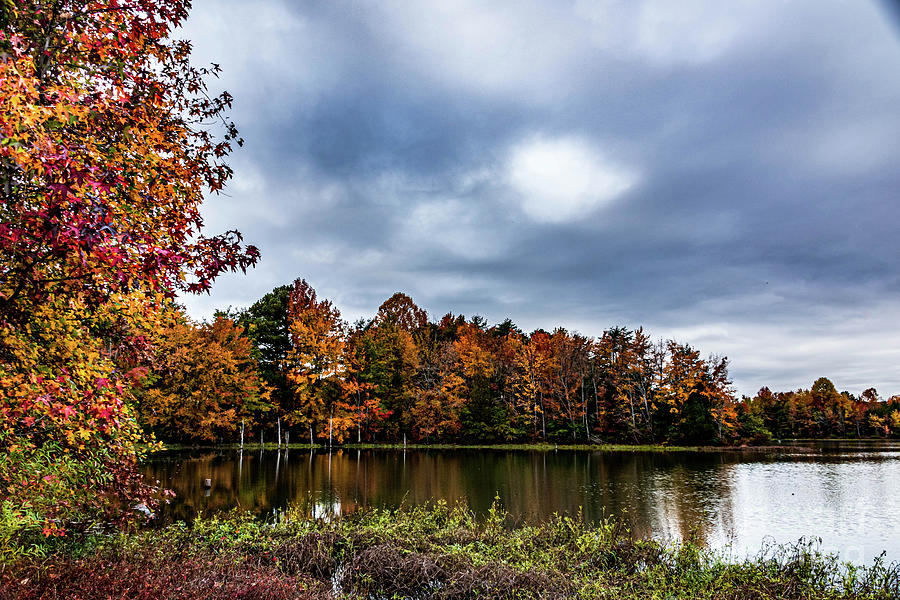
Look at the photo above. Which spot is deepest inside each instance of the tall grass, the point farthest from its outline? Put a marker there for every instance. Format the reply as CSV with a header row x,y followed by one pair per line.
x,y
438,551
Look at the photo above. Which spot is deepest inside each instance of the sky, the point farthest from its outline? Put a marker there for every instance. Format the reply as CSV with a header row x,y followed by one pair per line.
x,y
721,173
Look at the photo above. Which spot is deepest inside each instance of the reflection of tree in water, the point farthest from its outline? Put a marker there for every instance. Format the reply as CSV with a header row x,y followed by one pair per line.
x,y
689,497
662,494
239,480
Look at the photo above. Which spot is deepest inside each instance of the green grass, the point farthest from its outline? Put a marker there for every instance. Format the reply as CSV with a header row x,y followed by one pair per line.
x,y
439,551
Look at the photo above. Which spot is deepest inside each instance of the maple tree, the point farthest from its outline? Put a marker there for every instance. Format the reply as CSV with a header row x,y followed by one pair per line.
x,y
109,141
106,154
68,430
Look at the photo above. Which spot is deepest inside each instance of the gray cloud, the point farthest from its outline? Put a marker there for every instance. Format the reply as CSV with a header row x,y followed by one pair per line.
x,y
723,175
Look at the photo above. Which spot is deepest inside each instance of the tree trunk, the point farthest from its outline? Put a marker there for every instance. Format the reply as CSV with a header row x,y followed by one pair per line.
x,y
358,421
543,419
584,412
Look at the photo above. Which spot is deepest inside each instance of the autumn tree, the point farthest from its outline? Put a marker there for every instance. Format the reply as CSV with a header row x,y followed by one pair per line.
x,y
829,407
68,432
357,389
400,311
531,379
696,399
393,360
316,364
867,403
805,420
571,359
616,405
504,340
109,141
482,413
440,392
106,155
204,383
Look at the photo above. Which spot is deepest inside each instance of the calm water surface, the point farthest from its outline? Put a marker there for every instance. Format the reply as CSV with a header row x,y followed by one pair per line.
x,y
847,494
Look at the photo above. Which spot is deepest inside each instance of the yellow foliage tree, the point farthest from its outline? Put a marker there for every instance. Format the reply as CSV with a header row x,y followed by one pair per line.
x,y
316,363
203,382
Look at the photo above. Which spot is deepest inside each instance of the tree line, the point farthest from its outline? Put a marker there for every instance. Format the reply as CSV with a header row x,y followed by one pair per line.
x,y
290,363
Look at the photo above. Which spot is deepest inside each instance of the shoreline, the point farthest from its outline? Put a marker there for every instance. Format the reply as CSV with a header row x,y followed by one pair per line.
x,y
540,447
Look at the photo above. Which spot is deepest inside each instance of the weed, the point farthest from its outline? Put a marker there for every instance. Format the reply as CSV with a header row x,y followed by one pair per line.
x,y
438,551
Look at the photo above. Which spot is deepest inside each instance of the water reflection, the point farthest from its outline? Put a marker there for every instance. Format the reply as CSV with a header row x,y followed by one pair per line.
x,y
727,500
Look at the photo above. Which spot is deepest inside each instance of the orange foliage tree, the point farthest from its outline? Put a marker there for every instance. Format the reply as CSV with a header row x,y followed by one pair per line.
x,y
316,364
531,378
696,397
440,393
204,383
571,359
357,390
108,143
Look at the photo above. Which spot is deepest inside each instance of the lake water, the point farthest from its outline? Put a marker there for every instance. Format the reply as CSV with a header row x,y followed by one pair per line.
x,y
847,494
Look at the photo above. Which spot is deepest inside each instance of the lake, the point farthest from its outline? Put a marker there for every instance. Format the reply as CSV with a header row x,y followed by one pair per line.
x,y
846,493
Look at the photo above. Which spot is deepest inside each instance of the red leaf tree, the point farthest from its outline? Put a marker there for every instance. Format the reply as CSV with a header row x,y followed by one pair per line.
x,y
109,142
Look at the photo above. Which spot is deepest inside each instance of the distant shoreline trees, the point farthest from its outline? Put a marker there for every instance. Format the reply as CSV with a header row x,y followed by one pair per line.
x,y
400,376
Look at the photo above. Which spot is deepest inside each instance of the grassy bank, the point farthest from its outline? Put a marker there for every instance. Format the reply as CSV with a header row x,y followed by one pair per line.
x,y
433,552
541,447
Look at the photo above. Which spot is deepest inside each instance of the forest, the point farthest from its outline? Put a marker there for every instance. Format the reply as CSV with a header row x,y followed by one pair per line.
x,y
290,364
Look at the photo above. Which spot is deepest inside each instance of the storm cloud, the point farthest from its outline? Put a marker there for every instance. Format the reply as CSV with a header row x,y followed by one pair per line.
x,y
722,173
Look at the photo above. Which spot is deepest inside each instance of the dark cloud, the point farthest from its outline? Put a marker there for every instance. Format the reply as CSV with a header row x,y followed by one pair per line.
x,y
723,175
